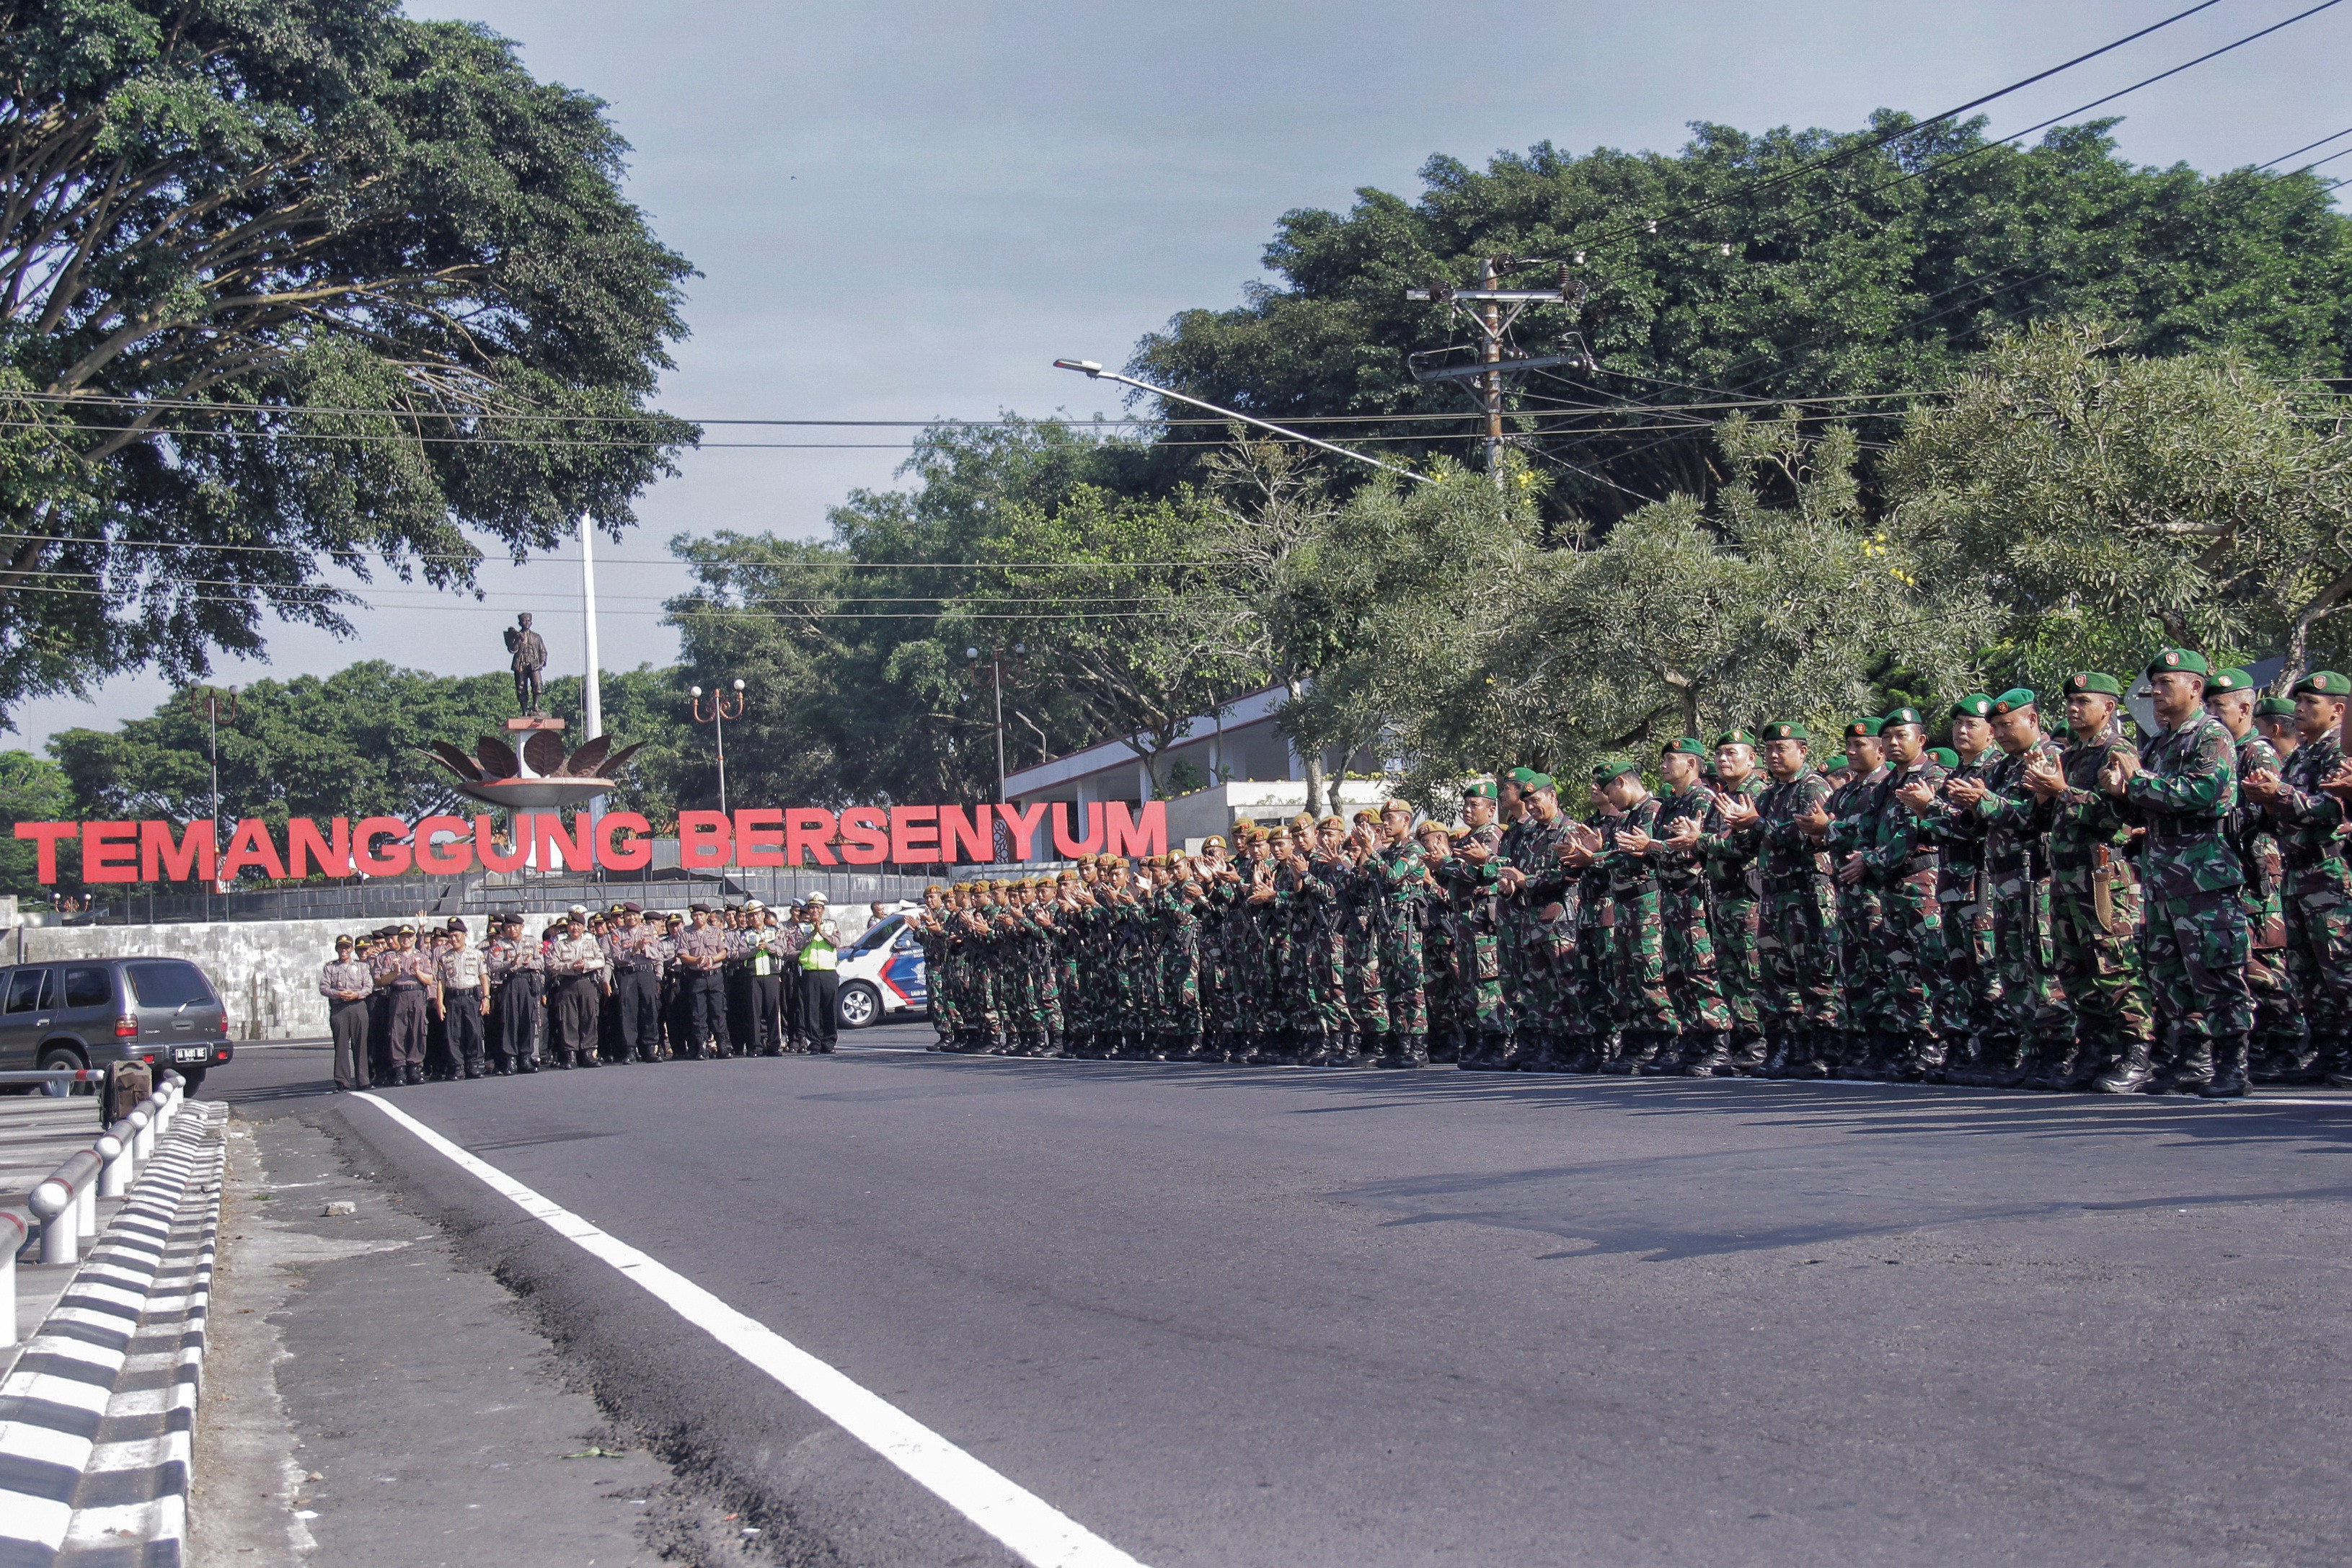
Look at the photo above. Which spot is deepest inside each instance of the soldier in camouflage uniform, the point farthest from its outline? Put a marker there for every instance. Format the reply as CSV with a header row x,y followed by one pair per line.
x,y
1971,980
1897,861
2317,900
2280,1051
1440,1000
1858,916
929,925
2029,1010
1634,981
1684,917
1475,900
1538,884
2183,784
1797,1003
1401,952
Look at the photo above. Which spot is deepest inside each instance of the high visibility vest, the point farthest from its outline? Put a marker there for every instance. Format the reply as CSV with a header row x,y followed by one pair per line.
x,y
818,954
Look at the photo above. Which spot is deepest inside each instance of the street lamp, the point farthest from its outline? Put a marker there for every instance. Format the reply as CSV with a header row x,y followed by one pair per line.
x,y
717,719
995,662
208,701
1095,372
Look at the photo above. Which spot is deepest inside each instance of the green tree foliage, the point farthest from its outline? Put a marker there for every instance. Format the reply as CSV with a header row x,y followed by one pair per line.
x,y
1878,273
32,789
229,225
352,745
2113,503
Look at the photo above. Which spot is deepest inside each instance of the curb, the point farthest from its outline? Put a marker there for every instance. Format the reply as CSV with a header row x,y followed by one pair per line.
x,y
97,1417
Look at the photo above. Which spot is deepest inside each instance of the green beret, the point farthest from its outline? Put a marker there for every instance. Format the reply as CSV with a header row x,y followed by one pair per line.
x,y
1482,791
2274,707
1901,715
1610,768
2227,680
1865,728
2092,681
1689,743
2011,700
1976,704
1831,764
2179,662
2322,683
1945,756
1787,729
1525,778
1735,738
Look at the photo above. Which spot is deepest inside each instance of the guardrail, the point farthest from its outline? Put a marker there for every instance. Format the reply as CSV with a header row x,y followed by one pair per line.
x,y
65,1202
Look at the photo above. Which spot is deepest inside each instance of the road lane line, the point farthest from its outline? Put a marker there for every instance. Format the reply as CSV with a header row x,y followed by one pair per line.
x,y
1032,1527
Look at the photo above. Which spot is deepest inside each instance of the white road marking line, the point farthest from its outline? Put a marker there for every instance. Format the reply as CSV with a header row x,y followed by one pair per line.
x,y
1032,1528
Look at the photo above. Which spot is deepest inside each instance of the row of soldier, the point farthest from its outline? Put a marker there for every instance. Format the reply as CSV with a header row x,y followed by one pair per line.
x,y
406,1005
2042,904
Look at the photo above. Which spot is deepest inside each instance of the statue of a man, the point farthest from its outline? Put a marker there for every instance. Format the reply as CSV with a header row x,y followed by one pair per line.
x,y
529,651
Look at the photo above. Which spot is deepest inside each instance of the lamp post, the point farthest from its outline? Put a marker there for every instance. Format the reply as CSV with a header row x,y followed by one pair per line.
x,y
717,719
993,662
208,701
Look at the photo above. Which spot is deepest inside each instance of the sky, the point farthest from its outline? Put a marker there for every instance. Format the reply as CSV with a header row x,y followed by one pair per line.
x,y
908,211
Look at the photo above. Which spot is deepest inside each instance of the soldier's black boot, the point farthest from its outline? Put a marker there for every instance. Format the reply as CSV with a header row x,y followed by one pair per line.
x,y
1665,1057
1776,1051
2193,1065
1493,1046
2333,1059
2229,1078
2051,1066
1709,1054
2131,1074
1743,1054
1808,1050
474,1067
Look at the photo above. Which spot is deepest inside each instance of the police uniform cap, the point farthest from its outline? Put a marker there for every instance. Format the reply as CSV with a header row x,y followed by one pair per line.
x,y
633,909
1831,764
406,931
579,909
2274,707
1945,756
1901,715
1976,704
2227,680
698,909
2323,684
2179,662
2014,700
1735,738
456,923
1610,768
1690,745
1787,729
1865,728
2094,681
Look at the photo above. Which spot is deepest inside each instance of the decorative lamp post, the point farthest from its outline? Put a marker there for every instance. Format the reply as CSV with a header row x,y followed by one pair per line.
x,y
717,719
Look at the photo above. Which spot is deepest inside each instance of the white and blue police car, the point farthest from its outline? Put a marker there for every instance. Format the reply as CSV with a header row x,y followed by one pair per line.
x,y
881,974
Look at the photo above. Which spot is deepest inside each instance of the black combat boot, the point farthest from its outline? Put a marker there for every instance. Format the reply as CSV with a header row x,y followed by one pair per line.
x,y
1709,1054
1744,1057
2229,1078
1664,1059
2053,1066
2333,1059
1776,1051
2191,1070
474,1068
1807,1047
2130,1075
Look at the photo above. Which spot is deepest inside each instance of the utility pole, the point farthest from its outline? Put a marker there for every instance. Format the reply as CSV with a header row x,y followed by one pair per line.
x,y
995,661
206,700
1484,308
592,687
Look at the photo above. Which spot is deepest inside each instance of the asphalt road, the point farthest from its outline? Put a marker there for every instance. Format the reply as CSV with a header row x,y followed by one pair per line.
x,y
1239,1316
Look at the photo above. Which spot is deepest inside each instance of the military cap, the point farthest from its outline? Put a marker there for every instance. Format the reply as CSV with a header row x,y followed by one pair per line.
x,y
1431,825
1461,832
698,909
1689,743
1212,838
343,941
1338,822
1366,815
2230,680
2274,707
456,923
1831,764
1482,790
1106,859
1735,738
2322,683
578,909
2013,700
1393,804
2179,662
1945,756
406,931
2092,681
1525,778
1904,714
1865,728
633,909
1303,819
1976,704
1787,729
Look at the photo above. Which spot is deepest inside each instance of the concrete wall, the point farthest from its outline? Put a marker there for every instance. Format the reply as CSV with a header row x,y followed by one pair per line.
x,y
266,970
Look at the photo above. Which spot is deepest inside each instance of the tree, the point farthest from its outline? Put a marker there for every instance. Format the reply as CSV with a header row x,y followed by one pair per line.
x,y
292,287
32,789
2113,503
1880,271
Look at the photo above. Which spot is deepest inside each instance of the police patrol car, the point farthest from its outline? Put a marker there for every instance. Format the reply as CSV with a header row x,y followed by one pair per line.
x,y
882,974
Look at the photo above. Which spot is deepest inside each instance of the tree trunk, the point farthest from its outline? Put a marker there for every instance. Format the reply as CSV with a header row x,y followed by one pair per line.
x,y
1311,761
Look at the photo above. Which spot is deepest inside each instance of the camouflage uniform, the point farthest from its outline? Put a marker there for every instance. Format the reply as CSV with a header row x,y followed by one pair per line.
x,y
1734,918
2030,1010
1692,976
1476,908
1548,915
1799,1000
2317,903
1642,1006
2280,1047
1901,866
1400,956
1964,1002
1361,909
2095,908
2197,938
1857,917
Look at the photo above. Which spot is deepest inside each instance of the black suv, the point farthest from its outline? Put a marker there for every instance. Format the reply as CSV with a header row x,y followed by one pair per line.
x,y
87,1013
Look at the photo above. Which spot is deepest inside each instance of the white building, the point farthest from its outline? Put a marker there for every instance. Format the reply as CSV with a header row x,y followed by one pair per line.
x,y
1253,772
